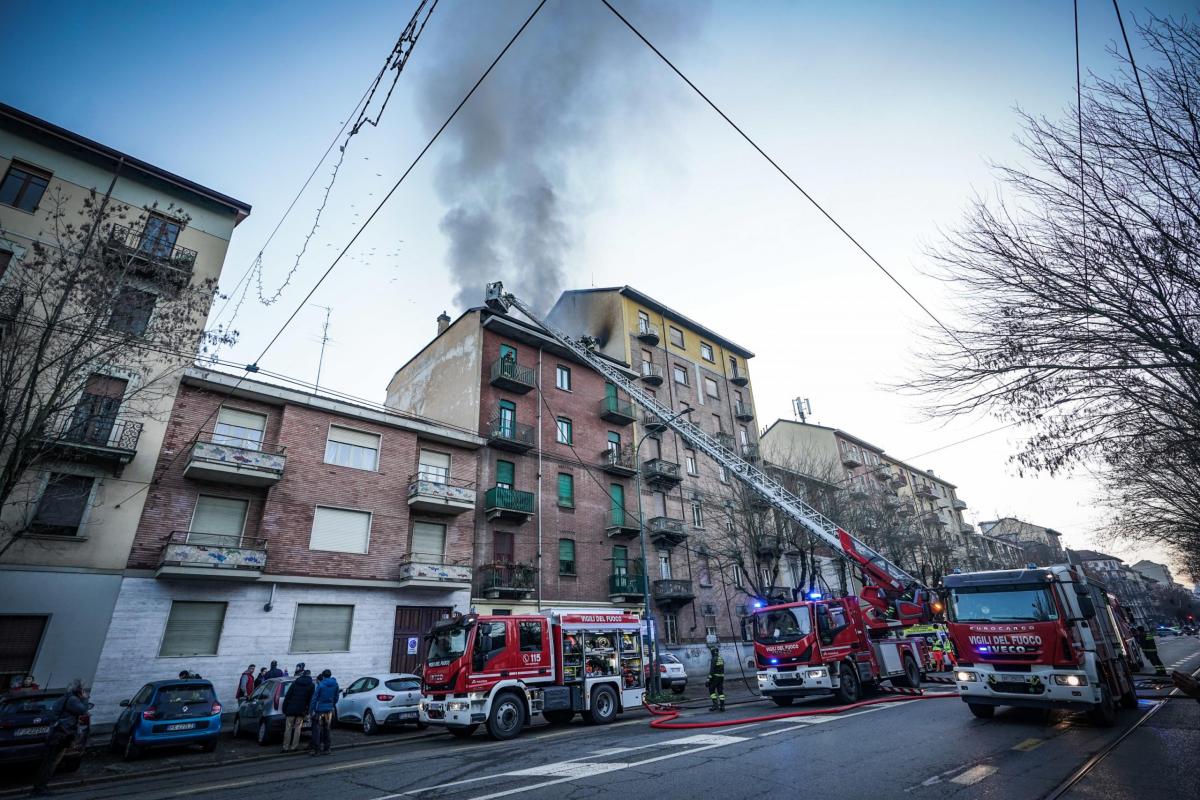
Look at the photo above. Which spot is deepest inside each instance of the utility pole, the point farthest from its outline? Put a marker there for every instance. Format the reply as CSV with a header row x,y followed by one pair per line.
x,y
324,341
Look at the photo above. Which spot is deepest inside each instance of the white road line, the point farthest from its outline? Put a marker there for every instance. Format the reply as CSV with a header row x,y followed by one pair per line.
x,y
784,730
211,787
356,764
579,769
973,775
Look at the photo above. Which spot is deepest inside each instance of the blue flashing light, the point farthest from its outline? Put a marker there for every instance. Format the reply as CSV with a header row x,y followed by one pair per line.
x,y
814,595
759,604
983,648
774,660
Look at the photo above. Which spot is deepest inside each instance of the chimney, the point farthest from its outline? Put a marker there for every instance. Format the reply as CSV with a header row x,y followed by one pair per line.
x,y
443,322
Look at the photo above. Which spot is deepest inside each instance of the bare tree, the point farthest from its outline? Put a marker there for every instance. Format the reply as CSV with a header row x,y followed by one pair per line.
x,y
1081,295
95,322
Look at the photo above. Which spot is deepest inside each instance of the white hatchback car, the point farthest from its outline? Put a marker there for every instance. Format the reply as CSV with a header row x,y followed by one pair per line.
x,y
374,701
671,673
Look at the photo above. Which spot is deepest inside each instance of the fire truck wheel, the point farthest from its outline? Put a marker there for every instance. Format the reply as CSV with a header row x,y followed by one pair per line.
x,y
604,706
783,702
464,732
1105,712
507,717
1129,699
850,690
912,675
981,710
559,716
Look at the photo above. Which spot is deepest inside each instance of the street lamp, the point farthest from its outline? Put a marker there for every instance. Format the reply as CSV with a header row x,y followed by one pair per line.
x,y
637,461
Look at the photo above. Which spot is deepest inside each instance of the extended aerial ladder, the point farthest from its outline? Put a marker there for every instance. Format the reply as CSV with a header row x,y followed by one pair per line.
x,y
895,593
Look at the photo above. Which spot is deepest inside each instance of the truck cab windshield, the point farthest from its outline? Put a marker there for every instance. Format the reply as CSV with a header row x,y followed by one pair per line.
x,y
1002,604
447,644
782,625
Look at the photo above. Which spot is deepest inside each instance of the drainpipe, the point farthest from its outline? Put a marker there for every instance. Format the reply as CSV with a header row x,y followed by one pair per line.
x,y
539,479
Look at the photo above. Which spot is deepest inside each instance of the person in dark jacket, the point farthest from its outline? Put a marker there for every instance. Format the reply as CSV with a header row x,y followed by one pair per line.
x,y
67,709
321,707
274,671
1150,648
296,703
716,679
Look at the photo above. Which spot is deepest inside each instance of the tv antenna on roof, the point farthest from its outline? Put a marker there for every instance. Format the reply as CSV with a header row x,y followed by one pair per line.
x,y
801,408
324,341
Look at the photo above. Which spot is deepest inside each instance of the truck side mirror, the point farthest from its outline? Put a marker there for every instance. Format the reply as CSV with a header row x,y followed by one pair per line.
x,y
1087,608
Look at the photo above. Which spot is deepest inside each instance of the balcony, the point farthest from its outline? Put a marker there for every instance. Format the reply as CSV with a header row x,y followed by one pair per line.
x,y
891,501
621,524
851,458
958,505
647,334
626,588
925,490
437,494
504,434
742,412
659,472
652,423
502,580
652,374
858,490
225,459
140,252
768,545
672,592
508,504
739,378
930,517
420,570
192,554
966,527
97,438
666,531
750,452
617,411
618,461
507,374
907,507
726,440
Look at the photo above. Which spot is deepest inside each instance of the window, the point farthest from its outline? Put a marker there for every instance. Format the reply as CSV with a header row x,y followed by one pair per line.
x,y
723,473
530,636
718,426
697,515
63,504
504,474
340,530
690,460
616,496
704,574
322,628
620,559
563,434
664,566
504,547
614,441
20,637
643,322
680,374
670,628
706,352
733,367
566,556
562,378
710,388
676,336
506,419
96,410
131,311
508,352
428,542
566,490
351,448
159,235
23,187
433,466
6,257
193,629
239,428
218,521
743,434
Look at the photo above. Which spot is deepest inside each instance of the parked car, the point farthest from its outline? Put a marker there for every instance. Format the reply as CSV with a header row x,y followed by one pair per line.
x,y
373,701
25,721
1166,630
671,673
261,714
167,713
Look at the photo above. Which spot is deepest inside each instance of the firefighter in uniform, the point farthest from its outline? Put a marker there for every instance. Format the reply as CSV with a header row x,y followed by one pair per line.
x,y
716,679
939,661
1150,648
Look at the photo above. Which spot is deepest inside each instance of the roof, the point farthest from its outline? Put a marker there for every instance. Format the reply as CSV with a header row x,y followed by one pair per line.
x,y
1091,555
89,150
667,311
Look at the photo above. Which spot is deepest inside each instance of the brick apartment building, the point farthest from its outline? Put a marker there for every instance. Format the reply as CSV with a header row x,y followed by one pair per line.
x,y
290,526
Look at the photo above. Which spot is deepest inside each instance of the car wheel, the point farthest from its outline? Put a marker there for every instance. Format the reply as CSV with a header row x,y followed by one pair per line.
x,y
463,732
560,716
783,702
850,690
912,676
237,726
131,751
982,710
507,717
264,734
369,726
70,764
604,706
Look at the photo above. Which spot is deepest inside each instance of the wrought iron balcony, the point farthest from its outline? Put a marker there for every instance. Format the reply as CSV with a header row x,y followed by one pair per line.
x,y
617,411
652,374
726,440
151,255
907,507
647,333
506,580
769,544
958,505
739,378
925,490
622,524
661,472
507,374
966,527
891,500
743,412
227,459
626,588
666,531
618,461
750,452
94,437
672,592
439,494
421,569
212,555
652,423
506,434
851,459
508,504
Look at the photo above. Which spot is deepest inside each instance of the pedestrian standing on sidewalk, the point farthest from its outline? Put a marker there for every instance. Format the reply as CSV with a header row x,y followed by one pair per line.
x,y
716,679
274,671
1150,648
261,677
68,709
245,686
296,703
324,698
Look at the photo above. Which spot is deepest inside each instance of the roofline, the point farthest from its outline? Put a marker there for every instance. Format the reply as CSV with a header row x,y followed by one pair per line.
x,y
493,320
666,311
240,209
997,521
429,344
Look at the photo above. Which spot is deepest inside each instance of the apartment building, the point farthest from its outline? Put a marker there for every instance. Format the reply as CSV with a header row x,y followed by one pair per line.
x,y
1040,545
1133,588
291,526
67,528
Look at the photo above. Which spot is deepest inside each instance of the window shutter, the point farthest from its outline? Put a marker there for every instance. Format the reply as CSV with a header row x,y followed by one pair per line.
x,y
505,473
340,530
242,419
428,542
64,501
434,466
20,636
356,438
193,629
322,628
218,520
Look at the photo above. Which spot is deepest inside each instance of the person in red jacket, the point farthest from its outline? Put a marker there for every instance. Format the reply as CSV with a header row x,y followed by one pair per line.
x,y
245,686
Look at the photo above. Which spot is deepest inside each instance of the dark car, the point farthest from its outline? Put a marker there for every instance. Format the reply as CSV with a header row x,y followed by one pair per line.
x,y
25,721
168,713
262,712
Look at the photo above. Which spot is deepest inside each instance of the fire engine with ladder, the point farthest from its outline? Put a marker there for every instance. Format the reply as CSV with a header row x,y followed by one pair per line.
x,y
498,671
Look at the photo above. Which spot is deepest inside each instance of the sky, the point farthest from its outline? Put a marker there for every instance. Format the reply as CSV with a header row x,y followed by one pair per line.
x,y
892,115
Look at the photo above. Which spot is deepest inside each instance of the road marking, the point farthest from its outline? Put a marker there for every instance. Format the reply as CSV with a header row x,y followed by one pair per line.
x,y
356,764
212,787
580,769
974,775
1029,744
784,730
706,738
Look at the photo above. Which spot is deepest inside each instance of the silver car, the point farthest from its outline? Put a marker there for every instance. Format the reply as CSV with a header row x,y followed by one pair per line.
x,y
261,714
671,673
373,701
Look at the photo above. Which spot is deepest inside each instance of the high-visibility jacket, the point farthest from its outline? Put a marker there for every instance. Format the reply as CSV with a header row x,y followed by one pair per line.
x,y
716,668
1148,644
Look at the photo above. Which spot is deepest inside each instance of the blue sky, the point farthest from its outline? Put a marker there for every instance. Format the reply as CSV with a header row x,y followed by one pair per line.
x,y
889,113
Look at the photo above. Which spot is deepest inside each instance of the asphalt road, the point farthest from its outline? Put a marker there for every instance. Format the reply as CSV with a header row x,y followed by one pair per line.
x,y
930,748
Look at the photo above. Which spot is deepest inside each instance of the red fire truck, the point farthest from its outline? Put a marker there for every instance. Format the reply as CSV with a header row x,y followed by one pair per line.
x,y
1041,637
499,671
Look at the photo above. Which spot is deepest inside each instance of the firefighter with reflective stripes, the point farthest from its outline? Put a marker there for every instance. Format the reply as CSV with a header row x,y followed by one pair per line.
x,y
716,679
1150,648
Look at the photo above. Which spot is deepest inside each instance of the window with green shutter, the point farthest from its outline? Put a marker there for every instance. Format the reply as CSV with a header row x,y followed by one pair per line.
x,y
566,556
566,490
505,474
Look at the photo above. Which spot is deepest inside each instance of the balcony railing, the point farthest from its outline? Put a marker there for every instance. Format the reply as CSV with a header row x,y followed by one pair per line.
x,y
966,527
652,374
618,460
160,256
506,434
666,531
434,569
750,452
439,494
625,586
616,410
509,375
212,555
231,460
672,591
647,333
743,412
503,579
958,505
502,503
739,378
726,440
658,470
925,490
622,524
100,436
851,459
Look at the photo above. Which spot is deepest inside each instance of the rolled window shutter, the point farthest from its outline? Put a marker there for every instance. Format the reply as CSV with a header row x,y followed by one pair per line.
x,y
193,629
340,530
242,419
434,466
218,521
20,636
356,438
428,542
322,628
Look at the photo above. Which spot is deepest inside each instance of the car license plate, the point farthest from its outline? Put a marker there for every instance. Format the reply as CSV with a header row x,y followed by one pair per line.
x,y
182,726
32,731
435,707
408,715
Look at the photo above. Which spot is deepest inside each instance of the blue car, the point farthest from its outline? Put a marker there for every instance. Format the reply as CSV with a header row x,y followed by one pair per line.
x,y
168,713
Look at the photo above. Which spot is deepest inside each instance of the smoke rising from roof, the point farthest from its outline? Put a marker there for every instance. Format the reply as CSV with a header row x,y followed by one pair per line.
x,y
509,174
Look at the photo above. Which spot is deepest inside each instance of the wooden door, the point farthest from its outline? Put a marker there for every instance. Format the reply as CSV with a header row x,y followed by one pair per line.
x,y
413,622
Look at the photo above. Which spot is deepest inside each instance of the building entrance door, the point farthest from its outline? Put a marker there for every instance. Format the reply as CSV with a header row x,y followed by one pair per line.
x,y
408,642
